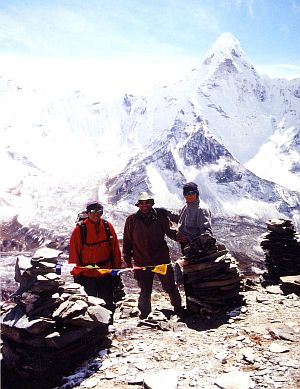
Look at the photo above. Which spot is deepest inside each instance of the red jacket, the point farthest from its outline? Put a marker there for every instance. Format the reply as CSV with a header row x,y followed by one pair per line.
x,y
97,248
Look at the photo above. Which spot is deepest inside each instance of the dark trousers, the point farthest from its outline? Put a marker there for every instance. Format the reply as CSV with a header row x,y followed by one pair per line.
x,y
101,287
187,288
145,283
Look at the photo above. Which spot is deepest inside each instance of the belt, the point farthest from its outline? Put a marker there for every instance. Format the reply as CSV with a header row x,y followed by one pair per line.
x,y
99,263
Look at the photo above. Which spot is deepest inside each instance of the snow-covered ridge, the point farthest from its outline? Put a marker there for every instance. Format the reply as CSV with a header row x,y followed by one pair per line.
x,y
59,150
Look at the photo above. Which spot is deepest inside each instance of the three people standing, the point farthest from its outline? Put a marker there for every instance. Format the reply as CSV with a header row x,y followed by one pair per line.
x,y
144,247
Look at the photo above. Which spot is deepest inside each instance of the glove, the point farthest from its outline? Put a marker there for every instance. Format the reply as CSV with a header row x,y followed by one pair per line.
x,y
180,238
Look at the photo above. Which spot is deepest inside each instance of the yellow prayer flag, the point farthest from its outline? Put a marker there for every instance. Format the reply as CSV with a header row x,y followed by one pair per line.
x,y
104,271
161,269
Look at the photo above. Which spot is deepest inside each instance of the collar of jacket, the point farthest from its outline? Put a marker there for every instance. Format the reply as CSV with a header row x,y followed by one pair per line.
x,y
152,215
96,227
194,203
87,221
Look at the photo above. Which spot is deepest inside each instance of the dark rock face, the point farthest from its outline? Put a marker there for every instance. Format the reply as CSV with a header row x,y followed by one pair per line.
x,y
134,178
228,174
290,284
282,250
15,237
202,149
227,66
48,326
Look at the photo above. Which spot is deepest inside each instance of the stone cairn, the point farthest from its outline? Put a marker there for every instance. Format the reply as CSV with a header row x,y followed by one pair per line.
x,y
211,277
49,327
281,245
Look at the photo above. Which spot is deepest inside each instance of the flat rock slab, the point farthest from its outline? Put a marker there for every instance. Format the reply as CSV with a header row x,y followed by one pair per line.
x,y
234,380
17,319
99,314
167,379
276,347
46,253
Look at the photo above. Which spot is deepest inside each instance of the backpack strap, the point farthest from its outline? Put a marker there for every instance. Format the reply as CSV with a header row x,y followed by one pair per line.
x,y
83,232
107,231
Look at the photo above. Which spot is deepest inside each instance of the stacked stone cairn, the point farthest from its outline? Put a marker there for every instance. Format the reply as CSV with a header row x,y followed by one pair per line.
x,y
48,327
281,245
212,281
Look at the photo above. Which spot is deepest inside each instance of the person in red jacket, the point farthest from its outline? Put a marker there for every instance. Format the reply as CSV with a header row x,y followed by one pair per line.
x,y
98,248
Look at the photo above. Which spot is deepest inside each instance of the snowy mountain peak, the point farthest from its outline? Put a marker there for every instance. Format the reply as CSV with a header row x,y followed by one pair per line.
x,y
226,56
226,43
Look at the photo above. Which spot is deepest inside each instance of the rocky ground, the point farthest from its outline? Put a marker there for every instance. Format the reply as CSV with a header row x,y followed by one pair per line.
x,y
254,346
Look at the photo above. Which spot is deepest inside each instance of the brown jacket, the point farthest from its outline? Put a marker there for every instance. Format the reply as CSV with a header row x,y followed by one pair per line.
x,y
144,240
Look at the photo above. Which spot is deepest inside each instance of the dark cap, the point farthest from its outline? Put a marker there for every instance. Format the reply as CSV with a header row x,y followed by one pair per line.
x,y
93,205
190,187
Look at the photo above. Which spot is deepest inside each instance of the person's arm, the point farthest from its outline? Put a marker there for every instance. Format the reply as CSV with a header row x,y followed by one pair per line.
x,y
169,229
115,248
75,247
173,217
204,221
128,242
205,237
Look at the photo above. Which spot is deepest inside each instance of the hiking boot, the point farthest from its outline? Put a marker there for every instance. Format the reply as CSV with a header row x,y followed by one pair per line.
x,y
181,312
143,316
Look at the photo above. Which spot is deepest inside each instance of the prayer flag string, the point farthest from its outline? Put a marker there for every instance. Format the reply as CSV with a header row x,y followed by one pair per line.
x,y
159,269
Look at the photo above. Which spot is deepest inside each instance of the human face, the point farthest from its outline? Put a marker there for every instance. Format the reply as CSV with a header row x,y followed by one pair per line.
x,y
190,197
95,216
145,205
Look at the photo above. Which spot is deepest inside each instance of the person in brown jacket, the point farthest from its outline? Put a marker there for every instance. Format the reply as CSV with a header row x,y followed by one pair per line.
x,y
144,245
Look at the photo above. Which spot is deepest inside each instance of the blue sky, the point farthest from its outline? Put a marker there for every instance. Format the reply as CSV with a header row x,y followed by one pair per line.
x,y
164,34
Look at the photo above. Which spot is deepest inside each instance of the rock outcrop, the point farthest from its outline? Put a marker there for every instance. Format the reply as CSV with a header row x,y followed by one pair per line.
x,y
281,245
49,326
212,281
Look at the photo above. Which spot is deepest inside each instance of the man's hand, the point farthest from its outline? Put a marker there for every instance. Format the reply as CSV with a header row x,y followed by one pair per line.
x,y
182,262
181,238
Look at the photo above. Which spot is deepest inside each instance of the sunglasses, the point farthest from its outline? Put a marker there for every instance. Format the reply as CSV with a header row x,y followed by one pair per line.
x,y
189,193
95,211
